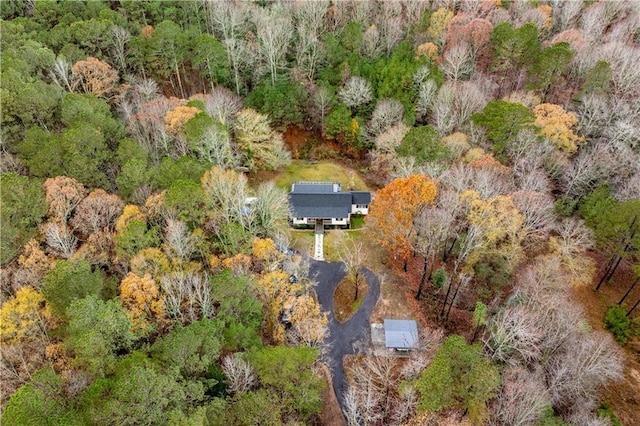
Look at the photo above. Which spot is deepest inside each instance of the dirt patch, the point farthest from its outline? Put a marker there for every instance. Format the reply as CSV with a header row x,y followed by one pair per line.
x,y
624,396
345,302
331,412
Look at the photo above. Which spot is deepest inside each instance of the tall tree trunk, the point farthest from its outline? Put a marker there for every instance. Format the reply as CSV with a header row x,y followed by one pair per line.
x,y
356,284
453,299
633,307
475,333
446,297
606,272
424,278
629,290
447,253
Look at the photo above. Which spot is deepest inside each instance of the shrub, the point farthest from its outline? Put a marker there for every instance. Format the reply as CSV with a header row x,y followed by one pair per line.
x,y
617,322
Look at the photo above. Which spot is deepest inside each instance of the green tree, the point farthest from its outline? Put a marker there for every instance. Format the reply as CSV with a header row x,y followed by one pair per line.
x,y
285,102
550,66
424,144
615,226
260,407
40,402
459,377
186,199
139,393
21,211
210,58
71,280
191,349
514,47
338,122
135,236
503,120
239,309
287,372
97,331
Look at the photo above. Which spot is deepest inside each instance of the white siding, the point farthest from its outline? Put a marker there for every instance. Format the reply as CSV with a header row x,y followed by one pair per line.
x,y
359,209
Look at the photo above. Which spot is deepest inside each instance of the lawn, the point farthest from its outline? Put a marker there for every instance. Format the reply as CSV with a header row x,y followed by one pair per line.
x,y
322,171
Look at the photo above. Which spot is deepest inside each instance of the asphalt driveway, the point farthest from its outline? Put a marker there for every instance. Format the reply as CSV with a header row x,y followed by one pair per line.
x,y
346,338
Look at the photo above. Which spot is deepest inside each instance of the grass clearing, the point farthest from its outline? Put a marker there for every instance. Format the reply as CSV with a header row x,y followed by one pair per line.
x,y
322,171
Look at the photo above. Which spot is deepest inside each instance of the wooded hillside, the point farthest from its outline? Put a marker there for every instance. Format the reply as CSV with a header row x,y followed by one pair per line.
x,y
138,287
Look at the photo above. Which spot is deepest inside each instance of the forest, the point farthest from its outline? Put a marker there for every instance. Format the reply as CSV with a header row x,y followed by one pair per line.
x,y
500,139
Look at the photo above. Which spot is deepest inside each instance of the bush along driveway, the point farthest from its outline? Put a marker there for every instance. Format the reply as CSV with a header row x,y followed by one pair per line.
x,y
348,337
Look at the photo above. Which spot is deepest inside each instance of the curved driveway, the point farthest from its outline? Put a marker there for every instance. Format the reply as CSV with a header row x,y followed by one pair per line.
x,y
346,338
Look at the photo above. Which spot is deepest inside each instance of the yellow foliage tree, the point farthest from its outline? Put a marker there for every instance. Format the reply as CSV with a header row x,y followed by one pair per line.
x,y
558,126
175,119
275,289
308,322
264,249
439,21
150,261
23,316
141,297
500,231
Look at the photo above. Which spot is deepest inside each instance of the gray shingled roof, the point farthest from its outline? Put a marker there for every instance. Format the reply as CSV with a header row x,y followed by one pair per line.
x,y
321,206
314,187
400,334
361,197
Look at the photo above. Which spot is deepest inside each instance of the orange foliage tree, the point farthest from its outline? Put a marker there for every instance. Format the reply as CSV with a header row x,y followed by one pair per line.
x,y
175,119
395,209
94,76
141,297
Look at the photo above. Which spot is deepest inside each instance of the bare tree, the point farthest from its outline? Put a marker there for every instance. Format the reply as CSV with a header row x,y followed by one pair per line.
x,y
119,38
60,239
538,210
427,89
214,146
356,91
61,73
388,113
96,212
222,104
322,100
274,31
354,256
187,296
443,116
458,62
515,336
178,240
239,57
589,362
239,373
523,400
371,47
270,211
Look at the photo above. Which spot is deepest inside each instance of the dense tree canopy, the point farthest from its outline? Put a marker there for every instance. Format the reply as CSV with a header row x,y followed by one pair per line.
x,y
144,156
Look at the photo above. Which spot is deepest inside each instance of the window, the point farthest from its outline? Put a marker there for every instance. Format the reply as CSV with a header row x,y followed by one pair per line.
x,y
361,206
299,218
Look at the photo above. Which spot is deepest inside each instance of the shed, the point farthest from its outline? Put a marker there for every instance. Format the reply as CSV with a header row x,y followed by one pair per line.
x,y
401,335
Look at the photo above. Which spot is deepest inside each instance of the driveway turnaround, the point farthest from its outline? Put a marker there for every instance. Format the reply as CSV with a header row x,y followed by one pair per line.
x,y
346,338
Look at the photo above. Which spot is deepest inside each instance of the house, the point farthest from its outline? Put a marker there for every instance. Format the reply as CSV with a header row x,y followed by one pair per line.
x,y
311,202
400,335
